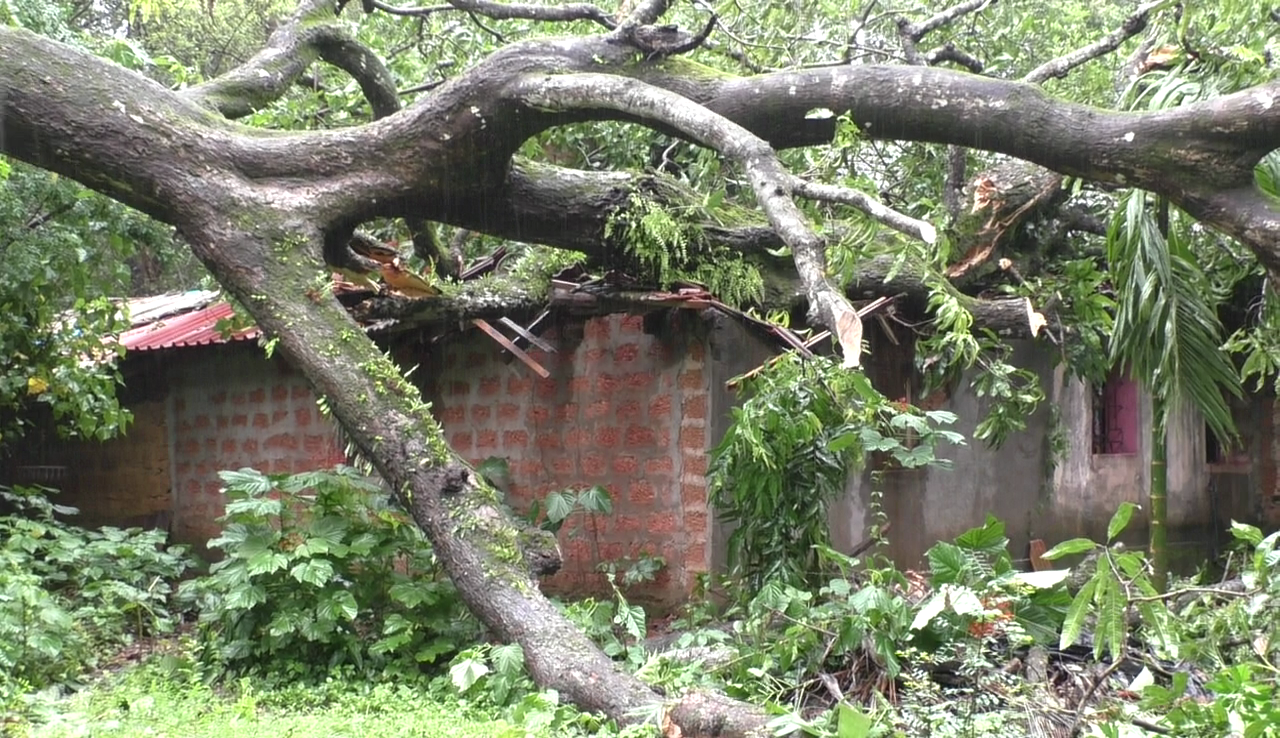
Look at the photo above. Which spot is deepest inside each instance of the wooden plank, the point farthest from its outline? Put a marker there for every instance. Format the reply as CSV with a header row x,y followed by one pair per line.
x,y
526,335
1038,549
514,349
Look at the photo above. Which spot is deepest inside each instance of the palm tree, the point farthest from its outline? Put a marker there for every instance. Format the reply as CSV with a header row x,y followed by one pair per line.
x,y
1167,335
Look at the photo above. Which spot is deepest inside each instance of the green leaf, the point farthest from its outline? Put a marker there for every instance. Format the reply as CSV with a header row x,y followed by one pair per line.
x,y
508,659
266,562
331,528
1247,533
248,481
1074,621
410,594
316,572
495,470
987,538
1069,548
560,505
931,609
632,620
947,562
596,499
466,673
1120,520
340,604
853,723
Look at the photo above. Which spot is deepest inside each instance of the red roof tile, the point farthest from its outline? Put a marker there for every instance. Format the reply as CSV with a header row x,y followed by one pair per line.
x,y
197,328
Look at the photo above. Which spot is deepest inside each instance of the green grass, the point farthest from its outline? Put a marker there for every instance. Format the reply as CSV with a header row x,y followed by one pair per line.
x,y
145,702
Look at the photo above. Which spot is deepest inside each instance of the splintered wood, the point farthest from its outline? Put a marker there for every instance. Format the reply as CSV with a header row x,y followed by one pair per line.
x,y
803,347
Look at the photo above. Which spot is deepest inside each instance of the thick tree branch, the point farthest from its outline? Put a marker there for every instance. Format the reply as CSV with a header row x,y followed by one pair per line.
x,y
1247,214
311,33
1133,25
257,208
770,180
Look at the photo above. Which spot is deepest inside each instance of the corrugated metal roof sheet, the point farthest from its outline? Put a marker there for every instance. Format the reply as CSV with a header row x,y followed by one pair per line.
x,y
195,328
144,310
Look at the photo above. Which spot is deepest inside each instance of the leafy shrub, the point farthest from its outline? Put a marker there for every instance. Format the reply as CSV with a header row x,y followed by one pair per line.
x,y
321,572
65,592
492,679
806,424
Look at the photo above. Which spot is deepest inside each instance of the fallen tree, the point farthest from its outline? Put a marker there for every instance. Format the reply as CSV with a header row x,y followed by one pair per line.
x,y
265,211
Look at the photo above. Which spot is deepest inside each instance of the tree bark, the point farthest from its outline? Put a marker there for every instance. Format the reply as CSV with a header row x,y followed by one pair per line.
x,y
259,209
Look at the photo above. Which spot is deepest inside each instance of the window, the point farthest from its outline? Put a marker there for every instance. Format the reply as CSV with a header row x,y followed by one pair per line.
x,y
1115,416
1213,451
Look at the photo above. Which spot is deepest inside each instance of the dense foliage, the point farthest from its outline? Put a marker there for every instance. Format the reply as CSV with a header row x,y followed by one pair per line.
x,y
322,576
67,254
1155,292
69,595
802,429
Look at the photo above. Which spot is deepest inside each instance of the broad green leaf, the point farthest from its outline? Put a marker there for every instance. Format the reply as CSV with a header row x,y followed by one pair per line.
x,y
560,505
988,537
1074,621
466,673
507,658
947,563
316,572
1120,520
249,481
331,528
1247,533
853,722
1069,548
409,594
931,608
596,499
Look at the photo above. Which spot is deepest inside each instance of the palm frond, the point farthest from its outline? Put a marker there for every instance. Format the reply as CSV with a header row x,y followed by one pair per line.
x,y
1167,332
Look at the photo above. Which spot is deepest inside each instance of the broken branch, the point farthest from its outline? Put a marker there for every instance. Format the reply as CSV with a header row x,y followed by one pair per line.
x,y
510,11
1130,27
770,180
873,208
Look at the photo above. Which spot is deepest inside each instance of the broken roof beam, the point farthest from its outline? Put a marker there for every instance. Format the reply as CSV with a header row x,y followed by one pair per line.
x,y
506,343
807,346
528,335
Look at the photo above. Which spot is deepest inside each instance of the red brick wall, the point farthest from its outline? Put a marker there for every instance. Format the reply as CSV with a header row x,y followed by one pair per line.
x,y
622,409
231,409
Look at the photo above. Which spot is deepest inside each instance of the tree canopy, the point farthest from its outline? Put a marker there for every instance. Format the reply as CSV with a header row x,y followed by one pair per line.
x,y
1100,171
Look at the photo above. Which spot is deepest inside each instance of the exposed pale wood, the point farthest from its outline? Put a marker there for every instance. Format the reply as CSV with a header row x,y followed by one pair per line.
x,y
526,335
504,342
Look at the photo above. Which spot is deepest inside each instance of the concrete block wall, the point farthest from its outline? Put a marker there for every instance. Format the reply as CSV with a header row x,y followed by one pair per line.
x,y
124,482
622,409
1269,461
232,408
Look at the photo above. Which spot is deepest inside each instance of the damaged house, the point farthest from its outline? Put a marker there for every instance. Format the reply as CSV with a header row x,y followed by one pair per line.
x,y
598,384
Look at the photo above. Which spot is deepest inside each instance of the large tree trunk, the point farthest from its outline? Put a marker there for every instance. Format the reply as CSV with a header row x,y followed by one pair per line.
x,y
265,211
